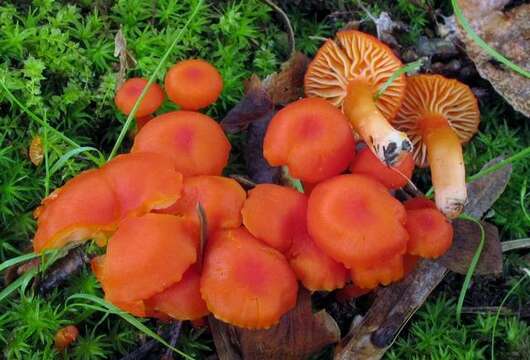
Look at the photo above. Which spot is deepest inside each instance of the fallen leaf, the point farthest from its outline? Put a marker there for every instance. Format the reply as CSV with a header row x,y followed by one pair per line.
x,y
127,61
36,151
465,242
299,334
288,85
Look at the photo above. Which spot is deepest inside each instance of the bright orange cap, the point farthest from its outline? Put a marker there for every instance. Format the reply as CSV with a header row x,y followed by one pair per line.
x,y
130,91
370,277
431,233
182,300
142,182
311,137
275,214
83,208
193,84
246,283
222,199
366,163
195,142
146,255
355,221
316,270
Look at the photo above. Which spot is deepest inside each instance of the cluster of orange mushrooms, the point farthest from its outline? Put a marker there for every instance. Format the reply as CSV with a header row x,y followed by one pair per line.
x,y
183,241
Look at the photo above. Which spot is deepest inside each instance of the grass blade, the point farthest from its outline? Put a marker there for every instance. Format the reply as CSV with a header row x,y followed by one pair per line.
x,y
21,281
17,260
407,68
515,244
69,154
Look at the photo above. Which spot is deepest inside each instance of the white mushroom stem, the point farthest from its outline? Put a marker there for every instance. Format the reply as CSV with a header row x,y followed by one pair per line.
x,y
388,144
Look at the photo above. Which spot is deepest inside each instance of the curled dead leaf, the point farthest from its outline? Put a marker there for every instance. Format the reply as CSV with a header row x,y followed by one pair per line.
x,y
36,151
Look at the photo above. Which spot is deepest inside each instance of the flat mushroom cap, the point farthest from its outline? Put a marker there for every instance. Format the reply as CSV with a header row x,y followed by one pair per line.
x,y
430,232
246,283
311,137
83,208
356,221
355,55
146,255
130,91
275,214
195,142
435,95
142,182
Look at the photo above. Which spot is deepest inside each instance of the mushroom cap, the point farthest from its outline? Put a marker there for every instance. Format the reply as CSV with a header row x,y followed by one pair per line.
x,y
419,202
182,300
311,137
130,91
221,198
355,55
193,84
195,142
142,182
83,208
140,122
430,232
356,221
366,163
313,267
246,283
436,96
146,255
275,214
371,276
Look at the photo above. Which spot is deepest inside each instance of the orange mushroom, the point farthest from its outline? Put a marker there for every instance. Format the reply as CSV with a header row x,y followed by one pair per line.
x,y
369,277
222,199
83,208
275,214
355,221
419,202
312,138
439,115
140,122
393,177
195,142
246,283
348,73
65,336
130,91
142,182
193,84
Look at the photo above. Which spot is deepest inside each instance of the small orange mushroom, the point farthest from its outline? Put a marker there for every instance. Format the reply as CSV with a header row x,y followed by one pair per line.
x,y
195,142
193,84
354,220
65,336
348,72
130,91
312,138
275,214
386,272
393,177
246,283
439,115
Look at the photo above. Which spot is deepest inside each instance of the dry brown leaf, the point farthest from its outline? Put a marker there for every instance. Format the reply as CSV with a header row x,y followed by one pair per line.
x,y
36,151
288,85
508,33
127,61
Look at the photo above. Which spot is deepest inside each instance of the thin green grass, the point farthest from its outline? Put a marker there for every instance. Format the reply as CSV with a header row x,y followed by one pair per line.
x,y
405,69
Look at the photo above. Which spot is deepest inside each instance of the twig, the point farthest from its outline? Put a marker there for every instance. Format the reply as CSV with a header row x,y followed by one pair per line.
x,y
174,333
287,23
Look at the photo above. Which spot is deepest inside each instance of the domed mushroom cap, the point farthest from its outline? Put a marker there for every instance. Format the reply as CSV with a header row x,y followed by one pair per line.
x,y
143,181
275,214
195,142
436,96
83,208
355,55
193,84
146,255
369,277
430,232
312,138
246,283
130,91
355,221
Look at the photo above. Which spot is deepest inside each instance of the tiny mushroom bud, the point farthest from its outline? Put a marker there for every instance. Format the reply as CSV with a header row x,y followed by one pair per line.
x,y
130,91
439,115
246,283
348,73
195,142
193,84
312,138
393,177
65,336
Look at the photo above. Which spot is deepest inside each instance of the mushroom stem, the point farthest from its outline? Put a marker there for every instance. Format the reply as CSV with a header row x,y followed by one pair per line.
x,y
388,144
446,161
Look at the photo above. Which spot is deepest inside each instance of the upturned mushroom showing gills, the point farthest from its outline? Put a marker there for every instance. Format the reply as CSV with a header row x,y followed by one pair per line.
x,y
312,138
130,91
439,115
348,72
195,142
356,221
193,84
245,282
